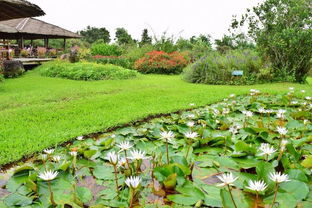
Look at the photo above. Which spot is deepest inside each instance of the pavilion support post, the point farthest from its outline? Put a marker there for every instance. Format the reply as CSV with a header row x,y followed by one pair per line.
x,y
64,44
32,42
46,43
22,42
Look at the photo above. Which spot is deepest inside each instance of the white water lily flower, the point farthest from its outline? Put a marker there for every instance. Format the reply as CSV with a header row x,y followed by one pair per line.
x,y
191,135
226,111
278,177
247,113
80,138
125,145
291,88
269,111
227,179
262,110
280,113
56,158
133,181
284,142
191,116
232,95
167,135
308,98
294,102
192,104
234,129
73,153
305,121
44,157
190,123
282,130
215,111
137,155
112,157
48,175
48,151
122,162
266,149
257,186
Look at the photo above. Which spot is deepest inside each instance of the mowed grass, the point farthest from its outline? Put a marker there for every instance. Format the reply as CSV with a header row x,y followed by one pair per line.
x,y
39,112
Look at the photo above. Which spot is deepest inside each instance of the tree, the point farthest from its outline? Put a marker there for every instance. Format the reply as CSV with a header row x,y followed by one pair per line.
x,y
232,42
283,34
145,38
123,37
93,34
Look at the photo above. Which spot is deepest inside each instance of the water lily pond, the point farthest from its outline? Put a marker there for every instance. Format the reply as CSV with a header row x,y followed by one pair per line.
x,y
246,151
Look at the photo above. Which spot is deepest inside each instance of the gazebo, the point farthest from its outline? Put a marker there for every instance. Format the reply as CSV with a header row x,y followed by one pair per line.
x,y
30,29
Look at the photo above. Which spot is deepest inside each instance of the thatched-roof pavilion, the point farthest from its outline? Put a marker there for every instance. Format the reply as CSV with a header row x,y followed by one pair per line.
x,y
31,29
11,9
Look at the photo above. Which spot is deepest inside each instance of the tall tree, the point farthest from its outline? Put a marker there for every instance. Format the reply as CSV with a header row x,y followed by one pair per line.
x,y
93,34
282,30
145,38
123,37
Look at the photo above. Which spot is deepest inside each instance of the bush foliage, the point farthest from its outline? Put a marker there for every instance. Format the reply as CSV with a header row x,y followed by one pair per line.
x,y
160,62
217,68
85,71
115,60
105,49
282,31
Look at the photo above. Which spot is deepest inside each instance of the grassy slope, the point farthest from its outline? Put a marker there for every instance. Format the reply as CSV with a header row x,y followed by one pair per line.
x,y
38,112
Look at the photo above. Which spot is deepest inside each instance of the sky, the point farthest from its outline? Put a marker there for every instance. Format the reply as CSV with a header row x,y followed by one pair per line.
x,y
183,18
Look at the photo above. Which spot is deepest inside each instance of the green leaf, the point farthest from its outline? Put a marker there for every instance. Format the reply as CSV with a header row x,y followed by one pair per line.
x,y
84,194
89,153
17,200
104,172
190,195
299,190
307,162
212,196
238,196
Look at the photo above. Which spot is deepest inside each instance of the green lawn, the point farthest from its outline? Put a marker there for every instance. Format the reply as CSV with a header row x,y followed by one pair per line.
x,y
39,112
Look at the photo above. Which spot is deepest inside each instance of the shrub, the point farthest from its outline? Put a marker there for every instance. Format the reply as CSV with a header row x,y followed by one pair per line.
x,y
24,53
133,53
41,52
52,52
217,68
1,77
12,68
115,60
85,71
160,62
105,49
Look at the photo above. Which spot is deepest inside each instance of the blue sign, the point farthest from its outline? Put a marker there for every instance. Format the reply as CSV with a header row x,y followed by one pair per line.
x,y
237,73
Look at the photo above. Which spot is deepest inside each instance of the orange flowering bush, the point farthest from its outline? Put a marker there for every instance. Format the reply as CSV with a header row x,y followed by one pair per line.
x,y
160,62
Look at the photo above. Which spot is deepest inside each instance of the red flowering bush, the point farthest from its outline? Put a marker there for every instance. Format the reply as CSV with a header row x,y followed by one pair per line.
x,y
160,62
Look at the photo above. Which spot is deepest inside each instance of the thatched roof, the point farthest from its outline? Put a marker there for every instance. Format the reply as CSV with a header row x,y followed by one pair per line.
x,y
31,28
11,9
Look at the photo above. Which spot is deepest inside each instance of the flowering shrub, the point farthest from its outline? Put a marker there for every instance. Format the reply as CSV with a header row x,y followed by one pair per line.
x,y
216,68
246,151
160,62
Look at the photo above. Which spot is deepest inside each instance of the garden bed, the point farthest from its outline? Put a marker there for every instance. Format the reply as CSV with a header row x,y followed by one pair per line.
x,y
180,160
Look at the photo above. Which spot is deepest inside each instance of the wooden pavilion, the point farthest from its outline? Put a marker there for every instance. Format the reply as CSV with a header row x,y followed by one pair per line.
x,y
11,9
30,29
